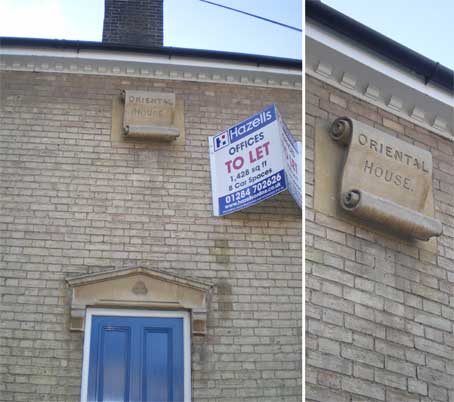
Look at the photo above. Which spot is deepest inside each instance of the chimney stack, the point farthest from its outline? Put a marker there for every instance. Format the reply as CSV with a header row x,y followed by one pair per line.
x,y
133,22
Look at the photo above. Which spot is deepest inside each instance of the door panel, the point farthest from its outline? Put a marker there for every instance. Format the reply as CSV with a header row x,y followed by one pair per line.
x,y
114,364
157,367
136,359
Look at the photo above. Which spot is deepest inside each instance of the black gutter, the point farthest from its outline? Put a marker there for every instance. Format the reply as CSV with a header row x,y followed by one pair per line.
x,y
431,71
161,51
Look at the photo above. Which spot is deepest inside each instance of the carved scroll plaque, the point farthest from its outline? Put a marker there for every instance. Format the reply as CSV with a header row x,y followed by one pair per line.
x,y
386,180
150,114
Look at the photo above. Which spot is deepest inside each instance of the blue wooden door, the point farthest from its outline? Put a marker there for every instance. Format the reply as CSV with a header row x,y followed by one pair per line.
x,y
136,359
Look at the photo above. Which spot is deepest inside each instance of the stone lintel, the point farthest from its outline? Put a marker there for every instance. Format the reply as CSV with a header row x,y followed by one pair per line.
x,y
140,288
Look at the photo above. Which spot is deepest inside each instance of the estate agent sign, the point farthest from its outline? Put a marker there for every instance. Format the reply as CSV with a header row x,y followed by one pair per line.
x,y
292,162
253,161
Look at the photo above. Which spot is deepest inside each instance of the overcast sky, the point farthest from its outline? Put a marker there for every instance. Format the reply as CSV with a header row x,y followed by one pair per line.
x,y
187,23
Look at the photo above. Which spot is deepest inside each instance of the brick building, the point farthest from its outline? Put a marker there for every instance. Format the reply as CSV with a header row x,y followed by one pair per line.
x,y
109,244
379,304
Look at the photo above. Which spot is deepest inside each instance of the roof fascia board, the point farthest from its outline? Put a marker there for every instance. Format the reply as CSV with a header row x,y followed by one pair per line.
x,y
103,62
167,52
362,75
374,41
146,58
376,63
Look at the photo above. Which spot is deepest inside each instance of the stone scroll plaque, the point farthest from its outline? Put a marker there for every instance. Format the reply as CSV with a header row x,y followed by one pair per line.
x,y
386,180
149,114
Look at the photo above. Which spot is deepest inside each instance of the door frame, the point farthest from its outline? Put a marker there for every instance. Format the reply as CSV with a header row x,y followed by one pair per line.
x,y
119,312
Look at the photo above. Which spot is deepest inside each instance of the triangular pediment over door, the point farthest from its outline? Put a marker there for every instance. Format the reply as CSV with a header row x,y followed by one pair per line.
x,y
139,287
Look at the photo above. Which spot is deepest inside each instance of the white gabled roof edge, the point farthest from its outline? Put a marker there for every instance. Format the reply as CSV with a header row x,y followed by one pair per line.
x,y
357,71
95,62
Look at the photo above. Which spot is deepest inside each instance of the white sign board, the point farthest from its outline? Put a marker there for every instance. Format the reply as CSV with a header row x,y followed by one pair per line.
x,y
292,161
247,164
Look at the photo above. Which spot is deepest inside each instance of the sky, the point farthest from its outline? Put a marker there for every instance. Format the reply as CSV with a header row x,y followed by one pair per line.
x,y
426,27
423,26
187,23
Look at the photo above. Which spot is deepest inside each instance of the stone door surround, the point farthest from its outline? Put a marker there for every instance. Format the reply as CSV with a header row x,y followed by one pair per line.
x,y
139,287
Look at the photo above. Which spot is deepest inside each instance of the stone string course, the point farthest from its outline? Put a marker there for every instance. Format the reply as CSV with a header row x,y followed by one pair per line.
x,y
72,203
379,313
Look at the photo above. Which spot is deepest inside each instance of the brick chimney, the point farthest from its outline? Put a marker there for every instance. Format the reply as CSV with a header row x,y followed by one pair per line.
x,y
133,22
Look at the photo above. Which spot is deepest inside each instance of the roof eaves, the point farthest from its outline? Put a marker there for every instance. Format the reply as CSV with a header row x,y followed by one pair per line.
x,y
259,60
431,71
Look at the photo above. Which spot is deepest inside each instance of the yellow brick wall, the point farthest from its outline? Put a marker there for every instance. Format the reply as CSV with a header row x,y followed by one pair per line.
x,y
379,313
74,203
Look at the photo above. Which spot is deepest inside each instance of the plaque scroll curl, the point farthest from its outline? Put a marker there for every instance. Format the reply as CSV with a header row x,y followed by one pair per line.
x,y
386,180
